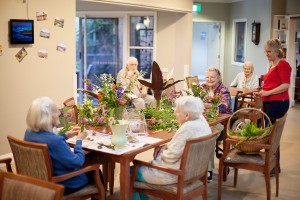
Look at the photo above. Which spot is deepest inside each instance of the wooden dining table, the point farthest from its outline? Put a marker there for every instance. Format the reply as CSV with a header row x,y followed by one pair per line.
x,y
126,158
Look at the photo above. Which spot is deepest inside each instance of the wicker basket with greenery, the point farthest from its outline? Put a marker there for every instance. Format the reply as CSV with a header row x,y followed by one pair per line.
x,y
246,132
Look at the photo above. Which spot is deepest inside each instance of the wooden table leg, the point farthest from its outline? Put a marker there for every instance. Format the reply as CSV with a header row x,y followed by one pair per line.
x,y
125,179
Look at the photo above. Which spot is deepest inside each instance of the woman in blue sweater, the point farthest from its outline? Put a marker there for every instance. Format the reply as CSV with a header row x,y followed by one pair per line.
x,y
42,117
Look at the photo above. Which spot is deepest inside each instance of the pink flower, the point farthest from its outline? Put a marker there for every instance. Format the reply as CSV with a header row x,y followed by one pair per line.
x,y
152,120
104,112
122,101
96,115
111,119
84,121
100,119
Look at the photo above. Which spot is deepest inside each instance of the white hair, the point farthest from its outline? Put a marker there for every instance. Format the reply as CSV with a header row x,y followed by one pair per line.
x,y
249,64
39,116
132,59
192,105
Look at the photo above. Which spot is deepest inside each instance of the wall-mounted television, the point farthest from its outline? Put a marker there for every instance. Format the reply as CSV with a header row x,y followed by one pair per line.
x,y
21,31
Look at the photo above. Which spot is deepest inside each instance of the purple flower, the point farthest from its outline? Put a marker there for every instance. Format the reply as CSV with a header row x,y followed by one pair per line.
x,y
89,87
120,92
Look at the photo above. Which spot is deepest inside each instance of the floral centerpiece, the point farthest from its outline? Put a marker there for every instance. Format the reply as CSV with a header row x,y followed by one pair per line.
x,y
112,99
66,119
162,118
198,90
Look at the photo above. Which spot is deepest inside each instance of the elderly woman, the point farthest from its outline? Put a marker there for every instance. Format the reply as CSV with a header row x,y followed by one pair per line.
x,y
128,77
246,79
42,117
192,124
215,87
277,81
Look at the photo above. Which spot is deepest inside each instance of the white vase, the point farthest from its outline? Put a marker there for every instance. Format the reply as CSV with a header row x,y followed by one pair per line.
x,y
119,138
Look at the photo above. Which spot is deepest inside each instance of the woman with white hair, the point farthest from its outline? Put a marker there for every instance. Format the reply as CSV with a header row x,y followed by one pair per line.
x,y
42,117
128,77
246,79
192,124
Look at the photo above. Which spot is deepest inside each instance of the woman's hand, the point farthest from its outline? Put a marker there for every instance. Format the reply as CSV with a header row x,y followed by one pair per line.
x,y
158,150
82,135
74,131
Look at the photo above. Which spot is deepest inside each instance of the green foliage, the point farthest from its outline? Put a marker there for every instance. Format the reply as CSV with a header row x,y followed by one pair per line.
x,y
65,119
162,119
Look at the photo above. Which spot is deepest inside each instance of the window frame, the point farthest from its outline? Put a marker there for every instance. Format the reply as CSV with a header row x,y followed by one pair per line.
x,y
234,41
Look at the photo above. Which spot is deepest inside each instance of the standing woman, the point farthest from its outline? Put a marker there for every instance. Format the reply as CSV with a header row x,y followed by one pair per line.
x,y
274,91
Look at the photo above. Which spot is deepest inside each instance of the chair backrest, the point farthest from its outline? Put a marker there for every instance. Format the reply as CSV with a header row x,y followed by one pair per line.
x,y
276,133
70,102
190,80
31,159
14,186
170,89
196,155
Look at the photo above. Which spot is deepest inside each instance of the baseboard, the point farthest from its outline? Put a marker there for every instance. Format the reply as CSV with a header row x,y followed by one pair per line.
x,y
9,155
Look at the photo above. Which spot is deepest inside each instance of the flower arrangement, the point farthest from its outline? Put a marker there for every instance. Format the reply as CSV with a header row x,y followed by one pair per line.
x,y
161,119
112,99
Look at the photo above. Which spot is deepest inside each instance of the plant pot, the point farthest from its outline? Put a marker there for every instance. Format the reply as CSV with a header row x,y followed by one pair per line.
x,y
119,138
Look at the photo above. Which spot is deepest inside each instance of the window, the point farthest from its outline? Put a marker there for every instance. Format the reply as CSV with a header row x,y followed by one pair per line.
x,y
239,41
141,41
102,44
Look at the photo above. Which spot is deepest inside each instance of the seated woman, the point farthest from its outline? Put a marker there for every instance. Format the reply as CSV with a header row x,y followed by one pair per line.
x,y
42,117
192,124
215,87
246,79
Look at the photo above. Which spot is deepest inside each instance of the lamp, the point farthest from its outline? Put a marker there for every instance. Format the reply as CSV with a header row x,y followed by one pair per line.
x,y
255,32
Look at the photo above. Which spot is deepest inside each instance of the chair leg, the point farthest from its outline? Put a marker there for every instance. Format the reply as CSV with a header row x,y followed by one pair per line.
x,y
236,171
267,180
220,179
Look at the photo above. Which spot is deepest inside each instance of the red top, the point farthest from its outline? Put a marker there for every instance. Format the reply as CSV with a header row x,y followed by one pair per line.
x,y
276,76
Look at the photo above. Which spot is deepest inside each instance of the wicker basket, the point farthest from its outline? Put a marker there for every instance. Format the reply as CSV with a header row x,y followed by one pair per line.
x,y
246,147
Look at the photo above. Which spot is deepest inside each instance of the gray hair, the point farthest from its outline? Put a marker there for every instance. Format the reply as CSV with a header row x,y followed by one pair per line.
x,y
132,59
39,116
192,105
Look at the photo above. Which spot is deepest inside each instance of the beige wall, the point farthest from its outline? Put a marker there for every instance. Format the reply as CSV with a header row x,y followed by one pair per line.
x,y
22,82
174,41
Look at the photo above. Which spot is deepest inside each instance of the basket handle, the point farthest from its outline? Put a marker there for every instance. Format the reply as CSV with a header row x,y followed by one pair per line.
x,y
244,109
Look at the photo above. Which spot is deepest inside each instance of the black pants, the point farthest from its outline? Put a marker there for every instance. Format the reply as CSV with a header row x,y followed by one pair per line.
x,y
276,110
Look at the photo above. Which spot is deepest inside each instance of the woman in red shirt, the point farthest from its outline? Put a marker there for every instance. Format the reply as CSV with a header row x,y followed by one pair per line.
x,y
274,91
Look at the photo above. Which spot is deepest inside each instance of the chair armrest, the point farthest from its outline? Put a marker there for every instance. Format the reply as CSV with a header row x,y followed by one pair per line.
x,y
7,162
94,167
165,169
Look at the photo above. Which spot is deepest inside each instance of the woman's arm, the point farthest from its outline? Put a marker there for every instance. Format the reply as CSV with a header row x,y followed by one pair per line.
x,y
281,88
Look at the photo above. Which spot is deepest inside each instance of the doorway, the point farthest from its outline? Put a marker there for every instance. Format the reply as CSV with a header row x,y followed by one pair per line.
x,y
207,47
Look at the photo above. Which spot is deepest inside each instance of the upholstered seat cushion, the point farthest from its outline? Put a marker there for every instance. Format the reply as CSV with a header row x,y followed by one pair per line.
x,y
172,188
236,156
87,190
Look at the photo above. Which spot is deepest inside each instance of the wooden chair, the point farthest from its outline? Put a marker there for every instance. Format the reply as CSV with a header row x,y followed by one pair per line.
x,y
13,186
252,102
70,102
262,162
33,159
108,166
192,174
171,89
190,80
7,162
